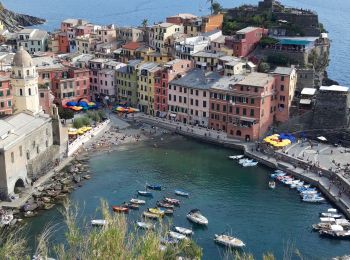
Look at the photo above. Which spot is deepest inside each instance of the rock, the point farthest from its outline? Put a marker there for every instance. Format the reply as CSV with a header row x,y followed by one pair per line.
x,y
76,179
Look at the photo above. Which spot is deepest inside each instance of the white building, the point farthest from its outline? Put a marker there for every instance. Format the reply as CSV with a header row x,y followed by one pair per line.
x,y
161,32
186,48
32,40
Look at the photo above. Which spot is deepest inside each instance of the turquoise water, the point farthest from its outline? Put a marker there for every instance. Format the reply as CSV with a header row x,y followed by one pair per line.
x,y
234,199
333,14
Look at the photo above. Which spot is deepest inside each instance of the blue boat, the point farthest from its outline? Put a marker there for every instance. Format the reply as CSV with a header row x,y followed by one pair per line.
x,y
144,193
182,193
154,186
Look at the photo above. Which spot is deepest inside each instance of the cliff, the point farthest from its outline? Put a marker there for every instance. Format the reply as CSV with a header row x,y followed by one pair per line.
x,y
13,21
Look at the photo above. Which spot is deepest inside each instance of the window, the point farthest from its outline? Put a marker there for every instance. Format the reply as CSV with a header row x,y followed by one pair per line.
x,y
282,78
224,108
21,92
196,92
204,93
244,111
9,103
204,103
20,151
212,106
8,92
282,87
252,112
218,107
252,101
237,110
42,95
282,98
204,114
196,102
12,157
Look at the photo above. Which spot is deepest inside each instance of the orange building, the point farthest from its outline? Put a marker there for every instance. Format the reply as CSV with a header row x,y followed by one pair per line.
x,y
6,96
212,22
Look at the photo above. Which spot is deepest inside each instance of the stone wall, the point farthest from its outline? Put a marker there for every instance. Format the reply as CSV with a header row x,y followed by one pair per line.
x,y
306,79
43,162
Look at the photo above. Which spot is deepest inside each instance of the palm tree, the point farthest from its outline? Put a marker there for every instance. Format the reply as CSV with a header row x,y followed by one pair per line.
x,y
144,22
215,7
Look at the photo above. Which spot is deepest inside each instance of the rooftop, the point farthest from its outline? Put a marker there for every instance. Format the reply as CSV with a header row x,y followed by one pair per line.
x,y
149,66
131,45
225,83
18,126
247,30
47,63
283,70
256,79
198,79
308,91
184,16
207,54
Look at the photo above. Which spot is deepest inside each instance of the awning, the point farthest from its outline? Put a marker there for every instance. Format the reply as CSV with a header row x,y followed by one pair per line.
x,y
246,119
322,138
305,101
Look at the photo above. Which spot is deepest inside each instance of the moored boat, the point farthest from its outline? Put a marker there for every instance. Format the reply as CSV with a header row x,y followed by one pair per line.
x,y
250,164
236,157
177,235
313,199
196,217
156,211
144,193
330,215
182,193
184,231
147,214
144,225
131,206
229,241
172,201
165,205
154,186
272,184
98,222
120,209
137,201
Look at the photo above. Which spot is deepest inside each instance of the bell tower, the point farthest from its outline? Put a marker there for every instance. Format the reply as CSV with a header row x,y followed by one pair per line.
x,y
24,80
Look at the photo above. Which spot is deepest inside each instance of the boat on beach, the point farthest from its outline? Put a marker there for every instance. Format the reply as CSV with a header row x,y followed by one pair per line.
x,y
144,193
229,241
196,217
98,222
184,231
272,184
137,201
182,193
172,201
154,186
120,209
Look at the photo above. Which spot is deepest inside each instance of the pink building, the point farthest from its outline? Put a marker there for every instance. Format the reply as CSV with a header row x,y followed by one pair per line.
x,y
45,99
243,106
286,80
172,69
106,84
188,97
6,97
245,40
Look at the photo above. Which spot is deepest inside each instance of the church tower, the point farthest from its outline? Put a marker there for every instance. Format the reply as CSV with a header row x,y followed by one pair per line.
x,y
24,80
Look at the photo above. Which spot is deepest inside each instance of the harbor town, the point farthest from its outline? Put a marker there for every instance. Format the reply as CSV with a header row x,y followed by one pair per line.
x,y
190,112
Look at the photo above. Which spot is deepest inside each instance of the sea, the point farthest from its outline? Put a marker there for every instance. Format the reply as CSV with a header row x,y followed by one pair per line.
x,y
333,14
235,199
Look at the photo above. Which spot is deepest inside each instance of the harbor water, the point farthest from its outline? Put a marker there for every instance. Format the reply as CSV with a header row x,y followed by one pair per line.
x,y
235,200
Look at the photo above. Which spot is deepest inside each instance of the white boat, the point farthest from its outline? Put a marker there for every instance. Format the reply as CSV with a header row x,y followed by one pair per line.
x,y
327,220
182,193
236,157
330,215
98,222
184,231
144,225
308,192
250,164
245,160
177,235
343,222
6,219
313,199
137,201
229,241
272,184
196,217
331,210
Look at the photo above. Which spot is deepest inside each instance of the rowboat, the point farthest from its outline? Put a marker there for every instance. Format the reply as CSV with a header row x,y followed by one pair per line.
x,y
154,186
184,231
168,211
147,214
144,225
144,193
137,201
131,206
177,235
236,157
165,205
313,199
182,193
156,211
229,241
330,215
272,184
196,217
172,201
98,222
249,164
120,209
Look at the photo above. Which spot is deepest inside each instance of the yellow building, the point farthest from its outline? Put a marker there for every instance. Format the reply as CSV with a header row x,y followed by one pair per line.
x,y
148,75
1,25
159,33
157,57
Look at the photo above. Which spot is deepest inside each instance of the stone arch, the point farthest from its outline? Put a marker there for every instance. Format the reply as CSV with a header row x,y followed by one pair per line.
x,y
19,184
238,133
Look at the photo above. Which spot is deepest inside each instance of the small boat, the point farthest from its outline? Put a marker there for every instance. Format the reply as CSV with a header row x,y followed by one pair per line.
x,y
98,222
327,220
250,164
29,214
147,214
184,231
245,160
313,199
144,193
6,219
196,217
320,226
331,210
308,192
229,241
275,175
120,209
272,184
177,235
154,186
182,193
236,157
156,211
168,240
335,231
172,201
165,205
137,201
131,206
330,215
144,225
168,211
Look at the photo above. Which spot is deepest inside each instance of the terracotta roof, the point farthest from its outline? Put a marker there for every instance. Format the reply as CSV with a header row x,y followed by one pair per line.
x,y
131,45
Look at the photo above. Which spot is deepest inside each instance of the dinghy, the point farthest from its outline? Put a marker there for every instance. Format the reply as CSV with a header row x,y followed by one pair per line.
x,y
137,201
165,205
144,193
196,217
177,235
229,241
98,222
182,193
236,157
120,209
172,201
156,211
144,225
272,184
184,231
154,186
147,214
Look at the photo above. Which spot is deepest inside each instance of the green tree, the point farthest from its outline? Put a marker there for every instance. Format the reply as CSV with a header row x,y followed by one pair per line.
x,y
215,8
263,67
65,113
144,23
81,121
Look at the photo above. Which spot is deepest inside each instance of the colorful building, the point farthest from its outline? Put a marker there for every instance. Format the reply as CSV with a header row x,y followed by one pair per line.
x,y
159,34
243,106
188,97
6,97
171,70
245,40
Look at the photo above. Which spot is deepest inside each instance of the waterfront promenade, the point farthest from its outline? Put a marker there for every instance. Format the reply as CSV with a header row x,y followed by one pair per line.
x,y
332,183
